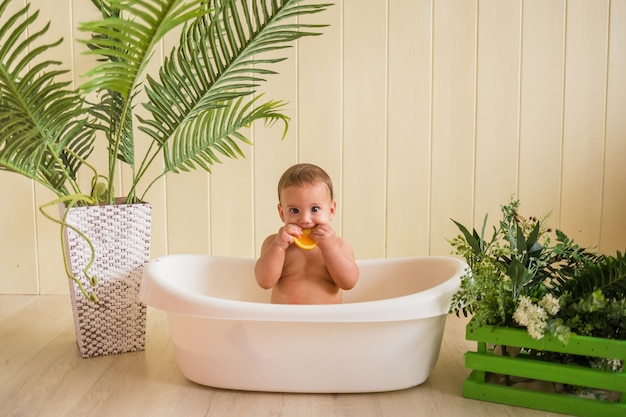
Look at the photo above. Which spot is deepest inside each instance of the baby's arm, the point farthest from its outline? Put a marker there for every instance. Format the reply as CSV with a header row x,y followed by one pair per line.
x,y
338,255
269,267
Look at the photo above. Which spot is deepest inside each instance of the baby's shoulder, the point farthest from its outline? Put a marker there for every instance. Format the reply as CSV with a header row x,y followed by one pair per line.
x,y
269,239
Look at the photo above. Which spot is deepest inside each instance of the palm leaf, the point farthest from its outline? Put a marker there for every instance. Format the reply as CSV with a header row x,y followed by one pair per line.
x,y
218,61
125,40
117,126
216,132
43,126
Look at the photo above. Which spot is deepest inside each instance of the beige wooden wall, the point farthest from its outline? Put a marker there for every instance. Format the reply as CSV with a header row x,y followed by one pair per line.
x,y
421,111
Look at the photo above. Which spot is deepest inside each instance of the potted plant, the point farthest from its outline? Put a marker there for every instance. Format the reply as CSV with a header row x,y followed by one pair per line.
x,y
188,116
549,318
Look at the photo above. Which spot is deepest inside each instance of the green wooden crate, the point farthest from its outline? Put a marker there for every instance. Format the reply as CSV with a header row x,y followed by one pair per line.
x,y
484,361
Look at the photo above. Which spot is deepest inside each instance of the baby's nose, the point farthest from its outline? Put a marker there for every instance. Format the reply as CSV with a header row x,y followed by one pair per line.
x,y
305,218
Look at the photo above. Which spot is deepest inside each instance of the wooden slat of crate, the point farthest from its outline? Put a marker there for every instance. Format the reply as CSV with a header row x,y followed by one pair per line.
x,y
484,361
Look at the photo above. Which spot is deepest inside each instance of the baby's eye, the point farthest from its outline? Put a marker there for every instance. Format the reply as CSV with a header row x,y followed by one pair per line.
x,y
293,210
315,209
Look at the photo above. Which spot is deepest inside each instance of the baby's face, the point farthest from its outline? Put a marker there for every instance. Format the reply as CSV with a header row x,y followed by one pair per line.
x,y
306,206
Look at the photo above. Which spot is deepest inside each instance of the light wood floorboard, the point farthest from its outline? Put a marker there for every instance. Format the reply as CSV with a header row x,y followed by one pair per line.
x,y
42,374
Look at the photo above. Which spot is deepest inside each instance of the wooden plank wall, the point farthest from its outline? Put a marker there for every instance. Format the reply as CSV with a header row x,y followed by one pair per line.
x,y
421,111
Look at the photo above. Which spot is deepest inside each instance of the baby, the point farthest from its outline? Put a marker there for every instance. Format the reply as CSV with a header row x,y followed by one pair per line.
x,y
299,276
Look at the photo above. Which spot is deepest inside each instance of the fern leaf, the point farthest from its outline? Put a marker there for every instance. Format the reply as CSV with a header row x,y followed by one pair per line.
x,y
608,274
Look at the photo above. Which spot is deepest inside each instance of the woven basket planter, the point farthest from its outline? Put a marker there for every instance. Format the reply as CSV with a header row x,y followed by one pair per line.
x,y
120,235
485,364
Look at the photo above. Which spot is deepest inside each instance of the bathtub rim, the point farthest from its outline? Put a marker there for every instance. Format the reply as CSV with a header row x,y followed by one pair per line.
x,y
434,301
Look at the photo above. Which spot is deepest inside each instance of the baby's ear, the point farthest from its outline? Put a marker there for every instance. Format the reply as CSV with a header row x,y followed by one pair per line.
x,y
333,209
280,213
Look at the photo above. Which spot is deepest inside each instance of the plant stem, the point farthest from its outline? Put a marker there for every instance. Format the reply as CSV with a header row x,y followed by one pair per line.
x,y
143,168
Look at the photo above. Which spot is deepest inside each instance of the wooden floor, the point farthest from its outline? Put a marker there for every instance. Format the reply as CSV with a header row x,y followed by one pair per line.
x,y
42,374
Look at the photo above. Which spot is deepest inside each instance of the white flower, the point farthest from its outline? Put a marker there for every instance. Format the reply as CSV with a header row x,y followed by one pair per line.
x,y
532,316
536,329
551,304
615,365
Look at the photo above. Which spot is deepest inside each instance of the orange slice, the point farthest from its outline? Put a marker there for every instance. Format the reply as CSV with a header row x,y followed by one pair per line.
x,y
305,241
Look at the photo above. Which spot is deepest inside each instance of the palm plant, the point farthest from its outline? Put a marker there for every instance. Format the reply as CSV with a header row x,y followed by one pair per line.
x,y
194,109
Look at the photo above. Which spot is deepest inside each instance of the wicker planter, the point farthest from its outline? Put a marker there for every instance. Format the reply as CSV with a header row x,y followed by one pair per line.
x,y
485,364
121,237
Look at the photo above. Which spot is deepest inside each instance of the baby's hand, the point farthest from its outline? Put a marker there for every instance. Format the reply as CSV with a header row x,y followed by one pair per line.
x,y
286,234
324,235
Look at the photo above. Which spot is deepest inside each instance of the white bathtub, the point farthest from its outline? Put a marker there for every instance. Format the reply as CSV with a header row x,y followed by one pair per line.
x,y
385,336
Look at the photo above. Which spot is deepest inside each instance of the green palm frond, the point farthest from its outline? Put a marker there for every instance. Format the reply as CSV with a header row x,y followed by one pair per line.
x,y
607,273
128,36
45,134
221,59
125,40
105,8
216,131
117,125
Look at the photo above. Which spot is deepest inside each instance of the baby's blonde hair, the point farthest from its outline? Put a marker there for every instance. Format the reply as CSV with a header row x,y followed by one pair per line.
x,y
305,174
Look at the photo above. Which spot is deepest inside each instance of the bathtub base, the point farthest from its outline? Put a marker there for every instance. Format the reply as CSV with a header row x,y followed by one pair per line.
x,y
323,358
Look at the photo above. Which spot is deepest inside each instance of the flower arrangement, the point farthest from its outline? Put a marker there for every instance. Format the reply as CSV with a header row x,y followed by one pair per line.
x,y
526,275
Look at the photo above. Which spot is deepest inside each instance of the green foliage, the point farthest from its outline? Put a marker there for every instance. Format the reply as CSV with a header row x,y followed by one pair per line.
x,y
607,274
515,275
485,288
41,117
195,110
